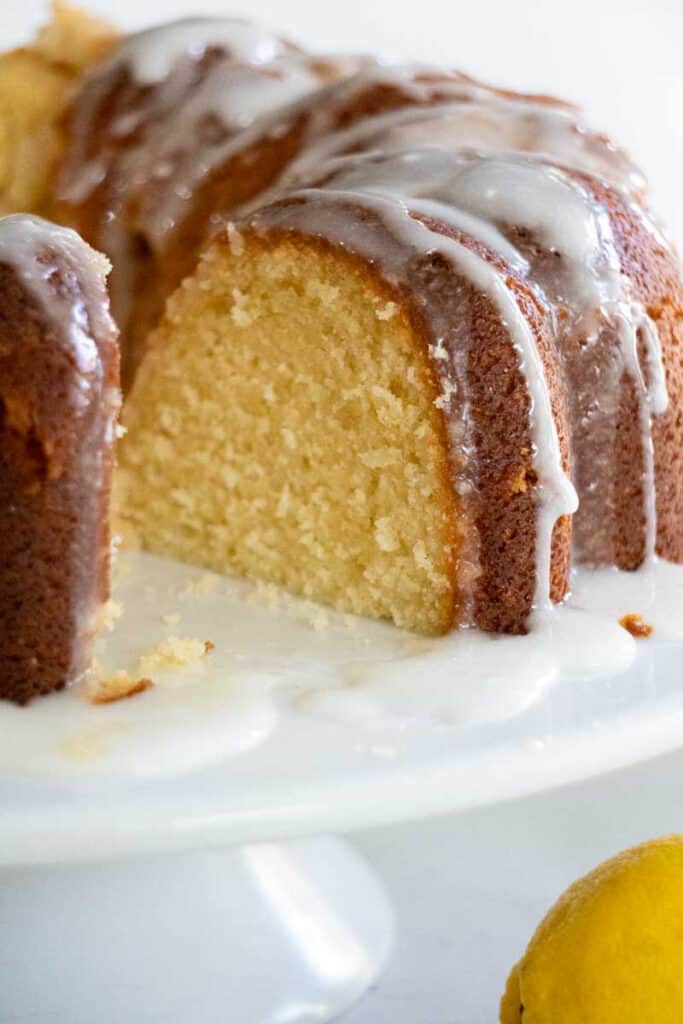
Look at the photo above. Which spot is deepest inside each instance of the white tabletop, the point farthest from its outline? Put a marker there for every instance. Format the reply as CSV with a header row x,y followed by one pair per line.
x,y
469,890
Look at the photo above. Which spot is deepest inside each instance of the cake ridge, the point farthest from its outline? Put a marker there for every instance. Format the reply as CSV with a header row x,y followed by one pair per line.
x,y
59,402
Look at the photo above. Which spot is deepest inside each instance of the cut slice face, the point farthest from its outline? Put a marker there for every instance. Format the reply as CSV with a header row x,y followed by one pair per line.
x,y
284,426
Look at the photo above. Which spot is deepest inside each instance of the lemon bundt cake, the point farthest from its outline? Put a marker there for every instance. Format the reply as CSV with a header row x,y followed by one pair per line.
x,y
59,401
421,346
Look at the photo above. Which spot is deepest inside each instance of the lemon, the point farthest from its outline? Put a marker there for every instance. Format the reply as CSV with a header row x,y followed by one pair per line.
x,y
611,949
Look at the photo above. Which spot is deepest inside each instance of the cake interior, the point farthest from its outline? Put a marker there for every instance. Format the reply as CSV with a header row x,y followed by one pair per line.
x,y
283,427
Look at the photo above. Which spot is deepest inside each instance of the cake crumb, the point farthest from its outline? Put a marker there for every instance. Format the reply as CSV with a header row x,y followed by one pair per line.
x,y
310,614
239,313
636,625
518,484
121,431
288,437
209,646
327,294
174,652
387,311
235,240
283,502
107,616
120,686
438,351
380,458
385,534
449,389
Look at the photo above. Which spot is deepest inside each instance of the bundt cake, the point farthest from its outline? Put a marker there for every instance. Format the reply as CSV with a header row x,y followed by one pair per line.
x,y
59,401
421,344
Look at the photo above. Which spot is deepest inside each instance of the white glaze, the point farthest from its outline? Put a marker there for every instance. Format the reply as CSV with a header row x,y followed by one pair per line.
x,y
36,249
188,122
237,97
274,656
467,116
152,54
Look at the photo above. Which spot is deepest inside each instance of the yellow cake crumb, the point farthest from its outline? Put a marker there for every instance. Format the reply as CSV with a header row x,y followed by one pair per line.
x,y
174,652
119,685
385,534
448,389
308,451
438,351
239,313
109,613
235,240
387,311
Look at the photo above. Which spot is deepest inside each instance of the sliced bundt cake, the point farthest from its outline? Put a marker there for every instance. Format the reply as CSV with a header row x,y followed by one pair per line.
x,y
422,349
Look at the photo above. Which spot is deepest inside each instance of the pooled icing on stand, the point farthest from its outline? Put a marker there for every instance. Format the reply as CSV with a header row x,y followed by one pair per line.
x,y
386,687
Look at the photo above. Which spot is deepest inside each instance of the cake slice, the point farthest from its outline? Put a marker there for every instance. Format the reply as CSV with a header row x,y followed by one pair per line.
x,y
293,422
59,400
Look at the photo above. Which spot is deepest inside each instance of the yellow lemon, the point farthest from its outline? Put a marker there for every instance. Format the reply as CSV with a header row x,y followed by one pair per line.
x,y
611,949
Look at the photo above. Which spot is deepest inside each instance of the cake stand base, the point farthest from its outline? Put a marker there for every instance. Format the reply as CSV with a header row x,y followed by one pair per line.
x,y
273,933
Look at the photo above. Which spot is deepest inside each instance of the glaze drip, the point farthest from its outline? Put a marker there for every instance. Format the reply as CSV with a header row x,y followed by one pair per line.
x,y
39,252
152,55
543,222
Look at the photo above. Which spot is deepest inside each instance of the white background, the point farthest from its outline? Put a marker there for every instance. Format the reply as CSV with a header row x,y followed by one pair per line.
x,y
469,890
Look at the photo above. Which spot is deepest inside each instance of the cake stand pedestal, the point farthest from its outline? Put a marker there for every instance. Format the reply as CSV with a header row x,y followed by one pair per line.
x,y
270,933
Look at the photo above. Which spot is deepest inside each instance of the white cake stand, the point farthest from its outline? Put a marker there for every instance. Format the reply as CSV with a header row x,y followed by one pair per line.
x,y
169,857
